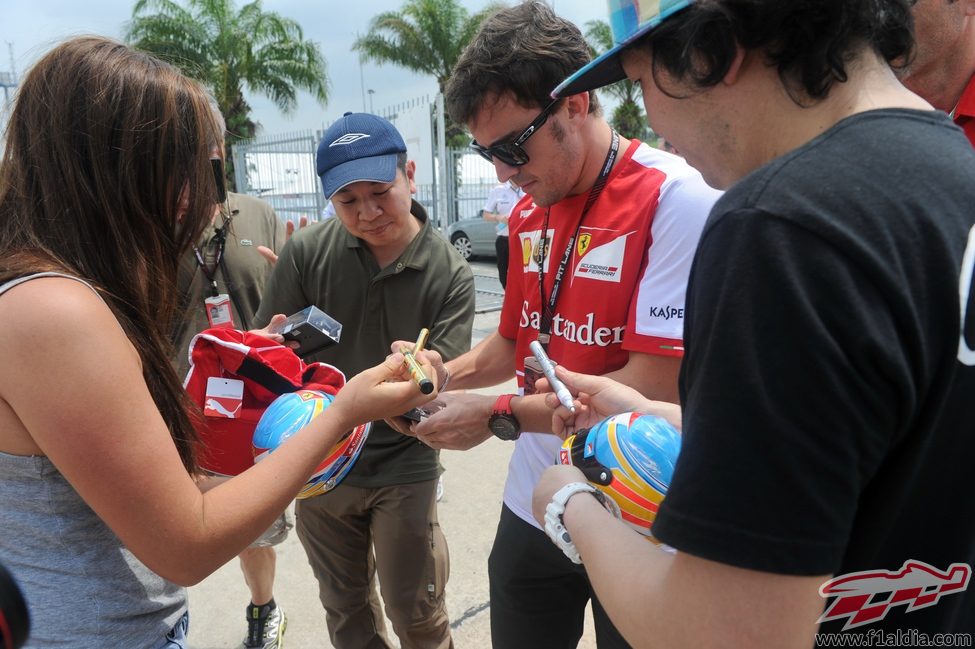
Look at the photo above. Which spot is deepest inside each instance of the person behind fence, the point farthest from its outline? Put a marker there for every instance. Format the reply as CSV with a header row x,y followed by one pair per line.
x,y
501,199
105,182
384,273
226,263
830,330
600,249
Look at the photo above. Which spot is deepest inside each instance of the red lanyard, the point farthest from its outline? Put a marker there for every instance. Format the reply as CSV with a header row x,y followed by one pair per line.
x,y
548,306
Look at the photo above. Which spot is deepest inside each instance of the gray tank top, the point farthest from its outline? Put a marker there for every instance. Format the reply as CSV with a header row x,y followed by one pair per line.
x,y
83,587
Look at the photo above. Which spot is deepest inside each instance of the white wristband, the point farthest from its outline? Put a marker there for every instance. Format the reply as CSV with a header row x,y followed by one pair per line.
x,y
555,526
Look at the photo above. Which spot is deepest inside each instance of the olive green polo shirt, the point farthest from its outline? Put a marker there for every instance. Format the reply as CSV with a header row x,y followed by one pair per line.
x,y
429,285
241,273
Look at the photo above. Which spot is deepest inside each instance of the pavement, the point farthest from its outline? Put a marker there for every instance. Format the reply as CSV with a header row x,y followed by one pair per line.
x,y
473,485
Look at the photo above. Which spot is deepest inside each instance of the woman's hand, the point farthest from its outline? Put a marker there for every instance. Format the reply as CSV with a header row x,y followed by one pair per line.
x,y
426,355
383,391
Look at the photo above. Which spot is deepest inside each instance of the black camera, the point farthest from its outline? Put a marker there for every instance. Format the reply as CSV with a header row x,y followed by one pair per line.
x,y
14,619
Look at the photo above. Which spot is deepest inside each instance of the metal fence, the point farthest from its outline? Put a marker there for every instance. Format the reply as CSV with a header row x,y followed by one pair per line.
x,y
8,82
281,170
469,179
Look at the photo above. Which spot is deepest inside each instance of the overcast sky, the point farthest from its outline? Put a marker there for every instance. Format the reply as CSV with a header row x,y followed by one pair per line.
x,y
30,28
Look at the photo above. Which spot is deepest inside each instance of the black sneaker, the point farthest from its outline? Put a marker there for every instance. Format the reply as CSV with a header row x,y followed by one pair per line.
x,y
265,632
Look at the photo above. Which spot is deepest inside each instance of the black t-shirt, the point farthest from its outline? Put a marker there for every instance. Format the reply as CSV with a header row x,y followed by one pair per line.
x,y
828,383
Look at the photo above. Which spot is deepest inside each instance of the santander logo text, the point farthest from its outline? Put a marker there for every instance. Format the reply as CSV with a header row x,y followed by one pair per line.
x,y
916,585
583,333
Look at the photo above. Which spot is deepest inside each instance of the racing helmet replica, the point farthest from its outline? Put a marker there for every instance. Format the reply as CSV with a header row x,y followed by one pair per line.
x,y
630,457
287,415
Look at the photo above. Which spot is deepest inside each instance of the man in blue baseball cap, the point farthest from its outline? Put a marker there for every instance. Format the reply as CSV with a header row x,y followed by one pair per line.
x,y
381,270
830,331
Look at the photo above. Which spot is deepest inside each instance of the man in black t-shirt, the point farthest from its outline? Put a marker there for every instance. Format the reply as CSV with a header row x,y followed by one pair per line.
x,y
828,384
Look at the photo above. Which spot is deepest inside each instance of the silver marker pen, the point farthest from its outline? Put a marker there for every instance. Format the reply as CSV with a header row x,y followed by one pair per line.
x,y
548,368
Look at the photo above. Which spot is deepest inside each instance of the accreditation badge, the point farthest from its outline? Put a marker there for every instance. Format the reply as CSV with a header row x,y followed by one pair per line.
x,y
218,311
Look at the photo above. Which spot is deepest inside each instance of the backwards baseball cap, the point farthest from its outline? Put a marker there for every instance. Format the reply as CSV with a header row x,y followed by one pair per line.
x,y
358,146
629,20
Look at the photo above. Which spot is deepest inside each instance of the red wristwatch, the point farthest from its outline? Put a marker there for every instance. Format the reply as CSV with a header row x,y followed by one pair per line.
x,y
503,423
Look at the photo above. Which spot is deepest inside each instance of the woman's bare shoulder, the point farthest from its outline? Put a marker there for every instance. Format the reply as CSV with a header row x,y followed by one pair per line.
x,y
53,300
55,313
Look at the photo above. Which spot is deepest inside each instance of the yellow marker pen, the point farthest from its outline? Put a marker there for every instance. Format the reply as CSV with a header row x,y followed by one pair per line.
x,y
416,372
421,340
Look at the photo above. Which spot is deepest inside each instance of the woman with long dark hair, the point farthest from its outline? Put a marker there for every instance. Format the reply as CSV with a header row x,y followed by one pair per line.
x,y
105,181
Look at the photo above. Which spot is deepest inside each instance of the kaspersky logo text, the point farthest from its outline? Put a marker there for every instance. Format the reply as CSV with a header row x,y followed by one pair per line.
x,y
585,333
666,312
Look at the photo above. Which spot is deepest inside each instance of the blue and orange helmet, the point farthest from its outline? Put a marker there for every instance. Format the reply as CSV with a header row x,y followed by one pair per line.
x,y
291,412
630,457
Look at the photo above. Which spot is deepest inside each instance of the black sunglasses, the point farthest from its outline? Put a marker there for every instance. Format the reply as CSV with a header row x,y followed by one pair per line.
x,y
510,152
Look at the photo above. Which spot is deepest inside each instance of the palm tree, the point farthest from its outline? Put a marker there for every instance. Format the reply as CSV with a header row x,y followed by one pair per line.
x,y
425,36
230,50
628,117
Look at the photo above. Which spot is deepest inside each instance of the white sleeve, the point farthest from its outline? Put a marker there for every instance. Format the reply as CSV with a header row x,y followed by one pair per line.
x,y
684,205
492,201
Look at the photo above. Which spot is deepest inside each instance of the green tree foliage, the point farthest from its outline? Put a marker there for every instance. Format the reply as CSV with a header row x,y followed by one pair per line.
x,y
628,117
425,36
230,50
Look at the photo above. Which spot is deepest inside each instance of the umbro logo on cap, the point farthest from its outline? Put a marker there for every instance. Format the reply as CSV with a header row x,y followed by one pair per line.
x,y
349,138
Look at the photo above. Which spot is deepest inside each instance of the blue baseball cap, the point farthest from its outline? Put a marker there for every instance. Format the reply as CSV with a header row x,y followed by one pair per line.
x,y
629,20
358,146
